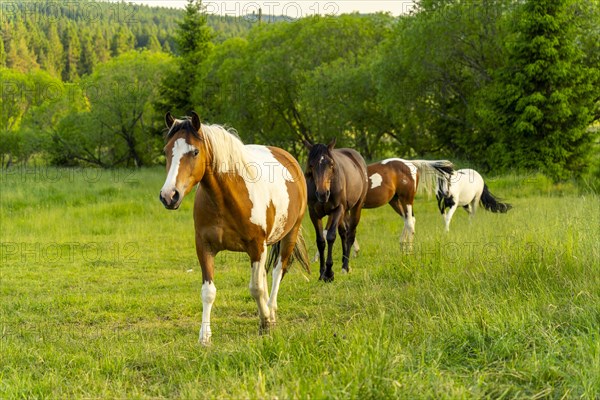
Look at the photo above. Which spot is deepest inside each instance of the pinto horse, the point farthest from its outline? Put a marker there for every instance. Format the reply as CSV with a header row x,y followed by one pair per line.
x,y
337,186
395,182
248,197
466,189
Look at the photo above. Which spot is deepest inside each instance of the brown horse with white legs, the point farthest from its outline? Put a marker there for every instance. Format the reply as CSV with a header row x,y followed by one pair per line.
x,y
395,182
248,197
337,187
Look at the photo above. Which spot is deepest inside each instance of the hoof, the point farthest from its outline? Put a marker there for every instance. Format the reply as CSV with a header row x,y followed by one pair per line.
x,y
346,270
326,278
266,328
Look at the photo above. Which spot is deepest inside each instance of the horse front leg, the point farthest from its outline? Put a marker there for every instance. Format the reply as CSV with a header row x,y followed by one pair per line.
x,y
209,291
319,233
334,221
448,216
258,285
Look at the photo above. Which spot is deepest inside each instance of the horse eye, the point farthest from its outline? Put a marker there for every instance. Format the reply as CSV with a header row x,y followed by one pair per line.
x,y
196,152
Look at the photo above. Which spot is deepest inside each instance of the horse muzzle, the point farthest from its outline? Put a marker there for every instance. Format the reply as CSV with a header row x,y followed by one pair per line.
x,y
171,200
323,196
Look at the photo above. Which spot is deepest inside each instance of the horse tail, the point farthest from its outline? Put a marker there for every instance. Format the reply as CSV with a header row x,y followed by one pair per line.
x,y
430,172
492,203
443,196
300,254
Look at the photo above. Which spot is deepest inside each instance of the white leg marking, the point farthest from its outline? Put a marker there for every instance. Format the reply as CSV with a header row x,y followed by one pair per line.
x,y
448,216
258,289
209,292
410,227
272,303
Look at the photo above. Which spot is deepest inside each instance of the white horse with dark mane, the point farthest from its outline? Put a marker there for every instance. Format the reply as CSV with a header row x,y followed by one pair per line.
x,y
466,189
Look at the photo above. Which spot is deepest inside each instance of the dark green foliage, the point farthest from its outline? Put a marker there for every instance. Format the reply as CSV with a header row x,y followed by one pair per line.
x,y
267,86
193,39
35,33
547,93
500,85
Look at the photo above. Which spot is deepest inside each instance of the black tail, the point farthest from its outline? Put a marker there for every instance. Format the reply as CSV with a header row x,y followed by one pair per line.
x,y
444,166
299,254
491,203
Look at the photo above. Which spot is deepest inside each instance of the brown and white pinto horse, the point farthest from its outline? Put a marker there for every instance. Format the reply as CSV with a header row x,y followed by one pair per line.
x,y
395,182
248,197
337,187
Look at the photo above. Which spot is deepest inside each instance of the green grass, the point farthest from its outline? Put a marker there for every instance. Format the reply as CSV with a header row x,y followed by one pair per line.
x,y
96,301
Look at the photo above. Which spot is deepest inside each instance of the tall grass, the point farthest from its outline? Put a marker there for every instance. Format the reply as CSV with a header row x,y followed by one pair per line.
x,y
100,297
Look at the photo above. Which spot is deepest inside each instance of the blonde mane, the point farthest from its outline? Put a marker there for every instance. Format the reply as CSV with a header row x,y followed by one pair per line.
x,y
230,155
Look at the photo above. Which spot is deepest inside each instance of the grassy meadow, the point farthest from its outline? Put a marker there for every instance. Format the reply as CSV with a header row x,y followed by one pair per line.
x,y
100,298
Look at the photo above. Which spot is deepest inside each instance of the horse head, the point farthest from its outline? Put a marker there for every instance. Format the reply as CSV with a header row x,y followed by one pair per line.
x,y
186,158
321,168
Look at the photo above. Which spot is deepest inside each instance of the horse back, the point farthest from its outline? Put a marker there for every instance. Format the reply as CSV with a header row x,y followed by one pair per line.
x,y
353,171
389,180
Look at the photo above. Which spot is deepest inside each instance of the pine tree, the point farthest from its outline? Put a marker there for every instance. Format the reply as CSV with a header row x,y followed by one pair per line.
x,y
2,53
88,59
194,44
101,46
55,54
72,48
549,92
122,41
153,44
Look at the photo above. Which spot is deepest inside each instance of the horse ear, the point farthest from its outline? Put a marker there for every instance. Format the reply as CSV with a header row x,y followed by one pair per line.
x,y
308,144
169,120
331,144
196,121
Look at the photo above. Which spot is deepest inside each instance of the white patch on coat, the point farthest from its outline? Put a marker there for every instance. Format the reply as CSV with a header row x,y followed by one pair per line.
x,y
268,187
376,180
180,148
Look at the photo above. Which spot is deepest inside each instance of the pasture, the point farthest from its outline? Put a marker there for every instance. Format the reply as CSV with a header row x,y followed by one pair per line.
x,y
100,298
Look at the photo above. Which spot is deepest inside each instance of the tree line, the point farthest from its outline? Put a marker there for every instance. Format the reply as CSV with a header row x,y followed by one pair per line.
x,y
504,85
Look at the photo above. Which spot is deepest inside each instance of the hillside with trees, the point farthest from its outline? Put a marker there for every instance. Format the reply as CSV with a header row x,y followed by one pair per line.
x,y
504,85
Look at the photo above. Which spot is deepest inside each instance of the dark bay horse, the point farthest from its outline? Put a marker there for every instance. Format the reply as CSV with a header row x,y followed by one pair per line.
x,y
337,186
395,182
248,197
466,189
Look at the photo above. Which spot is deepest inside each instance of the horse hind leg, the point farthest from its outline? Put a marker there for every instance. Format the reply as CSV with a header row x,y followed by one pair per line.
x,y
258,287
343,231
286,249
408,229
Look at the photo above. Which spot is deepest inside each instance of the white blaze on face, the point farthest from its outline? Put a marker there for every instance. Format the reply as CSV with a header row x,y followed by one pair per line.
x,y
268,187
376,180
180,148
